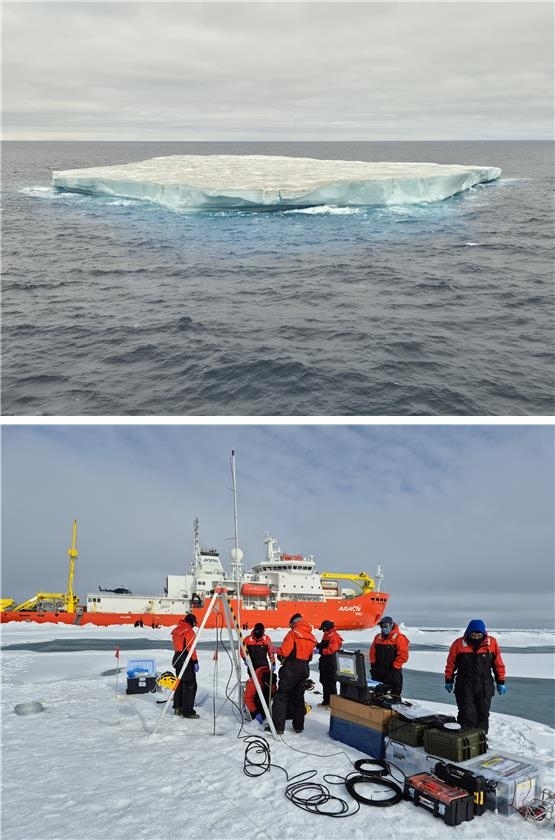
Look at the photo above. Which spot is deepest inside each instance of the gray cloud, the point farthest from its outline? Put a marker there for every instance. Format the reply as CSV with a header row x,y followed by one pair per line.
x,y
460,517
217,71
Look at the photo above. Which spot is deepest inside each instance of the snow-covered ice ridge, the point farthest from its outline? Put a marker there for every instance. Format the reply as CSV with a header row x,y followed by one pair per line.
x,y
240,181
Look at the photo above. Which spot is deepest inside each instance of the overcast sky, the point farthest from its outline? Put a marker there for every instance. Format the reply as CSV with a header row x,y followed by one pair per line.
x,y
263,71
460,517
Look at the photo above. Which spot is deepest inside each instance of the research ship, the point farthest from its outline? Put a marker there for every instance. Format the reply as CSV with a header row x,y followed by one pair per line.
x,y
276,588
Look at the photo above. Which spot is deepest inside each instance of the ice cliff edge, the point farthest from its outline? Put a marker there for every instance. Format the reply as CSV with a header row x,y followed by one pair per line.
x,y
241,181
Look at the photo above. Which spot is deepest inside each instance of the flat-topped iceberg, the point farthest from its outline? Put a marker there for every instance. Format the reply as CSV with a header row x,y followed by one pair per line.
x,y
239,181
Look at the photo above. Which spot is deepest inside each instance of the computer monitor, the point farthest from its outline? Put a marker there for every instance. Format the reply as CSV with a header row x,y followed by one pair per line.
x,y
351,667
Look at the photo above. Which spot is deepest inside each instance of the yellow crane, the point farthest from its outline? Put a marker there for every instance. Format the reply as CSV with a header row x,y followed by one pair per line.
x,y
66,601
363,580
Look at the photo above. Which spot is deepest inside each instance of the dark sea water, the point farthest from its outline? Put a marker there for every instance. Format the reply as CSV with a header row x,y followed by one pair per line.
x,y
114,307
529,698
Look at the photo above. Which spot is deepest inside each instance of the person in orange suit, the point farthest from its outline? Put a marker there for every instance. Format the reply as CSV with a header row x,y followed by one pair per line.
x,y
388,653
329,645
295,654
473,661
252,700
183,637
259,647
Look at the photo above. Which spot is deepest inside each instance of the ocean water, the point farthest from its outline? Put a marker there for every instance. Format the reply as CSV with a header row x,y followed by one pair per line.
x,y
114,307
529,698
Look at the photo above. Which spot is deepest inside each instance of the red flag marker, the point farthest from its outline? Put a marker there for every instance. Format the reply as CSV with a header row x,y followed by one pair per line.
x,y
117,653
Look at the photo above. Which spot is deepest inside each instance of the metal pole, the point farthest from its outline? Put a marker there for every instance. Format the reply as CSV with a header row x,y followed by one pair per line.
x,y
236,536
250,667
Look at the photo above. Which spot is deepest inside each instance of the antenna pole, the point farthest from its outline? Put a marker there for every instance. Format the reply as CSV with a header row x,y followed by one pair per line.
x,y
234,484
196,548
236,553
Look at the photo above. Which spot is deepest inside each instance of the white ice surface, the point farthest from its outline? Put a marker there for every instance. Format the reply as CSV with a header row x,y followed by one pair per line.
x,y
235,181
89,767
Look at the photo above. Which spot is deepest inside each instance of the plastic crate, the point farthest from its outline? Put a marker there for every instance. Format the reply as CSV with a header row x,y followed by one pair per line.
x,y
407,759
515,781
141,668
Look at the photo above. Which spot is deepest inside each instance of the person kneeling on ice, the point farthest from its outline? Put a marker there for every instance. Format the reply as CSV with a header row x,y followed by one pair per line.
x,y
252,700
295,654
330,644
183,637
470,663
388,653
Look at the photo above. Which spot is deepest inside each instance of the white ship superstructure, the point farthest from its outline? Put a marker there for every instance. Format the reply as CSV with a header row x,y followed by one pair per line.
x,y
289,577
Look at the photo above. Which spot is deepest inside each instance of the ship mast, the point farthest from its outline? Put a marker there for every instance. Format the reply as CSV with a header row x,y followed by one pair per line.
x,y
236,553
196,546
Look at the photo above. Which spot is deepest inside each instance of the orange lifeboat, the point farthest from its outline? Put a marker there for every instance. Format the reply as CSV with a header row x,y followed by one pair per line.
x,y
260,590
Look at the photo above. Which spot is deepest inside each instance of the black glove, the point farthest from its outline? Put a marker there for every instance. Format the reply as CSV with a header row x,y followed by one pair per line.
x,y
324,644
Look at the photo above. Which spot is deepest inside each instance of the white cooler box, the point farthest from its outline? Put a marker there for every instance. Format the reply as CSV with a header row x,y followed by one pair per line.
x,y
516,780
409,760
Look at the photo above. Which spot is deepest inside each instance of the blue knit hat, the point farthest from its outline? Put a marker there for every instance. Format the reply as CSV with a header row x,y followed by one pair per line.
x,y
475,626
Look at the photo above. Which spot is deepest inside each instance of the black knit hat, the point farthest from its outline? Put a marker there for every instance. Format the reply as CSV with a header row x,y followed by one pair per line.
x,y
191,619
258,630
327,625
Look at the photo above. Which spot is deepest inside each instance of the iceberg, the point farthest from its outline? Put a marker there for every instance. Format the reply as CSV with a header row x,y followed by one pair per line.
x,y
270,181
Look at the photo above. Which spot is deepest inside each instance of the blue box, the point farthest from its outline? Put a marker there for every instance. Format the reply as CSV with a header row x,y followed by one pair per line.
x,y
141,668
363,738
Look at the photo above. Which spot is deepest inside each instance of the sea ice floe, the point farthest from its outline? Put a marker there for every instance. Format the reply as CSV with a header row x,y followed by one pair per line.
x,y
263,181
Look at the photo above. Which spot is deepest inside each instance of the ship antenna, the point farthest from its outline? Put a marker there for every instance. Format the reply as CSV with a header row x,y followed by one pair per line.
x,y
379,577
236,553
196,562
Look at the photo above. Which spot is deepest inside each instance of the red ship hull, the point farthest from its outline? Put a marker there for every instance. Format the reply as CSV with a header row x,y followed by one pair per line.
x,y
358,613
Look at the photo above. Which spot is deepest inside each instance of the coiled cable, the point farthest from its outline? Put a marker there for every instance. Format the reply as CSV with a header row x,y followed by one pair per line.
x,y
260,764
351,783
380,767
313,796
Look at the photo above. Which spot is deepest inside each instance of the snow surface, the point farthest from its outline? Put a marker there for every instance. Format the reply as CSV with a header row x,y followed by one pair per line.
x,y
90,767
233,181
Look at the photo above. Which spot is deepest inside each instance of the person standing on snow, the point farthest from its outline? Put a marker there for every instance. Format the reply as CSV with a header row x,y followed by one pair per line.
x,y
183,637
260,648
473,662
388,653
327,648
295,654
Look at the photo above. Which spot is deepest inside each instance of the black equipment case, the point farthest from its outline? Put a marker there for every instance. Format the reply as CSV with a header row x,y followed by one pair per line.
x,y
452,804
140,685
456,745
411,732
466,779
